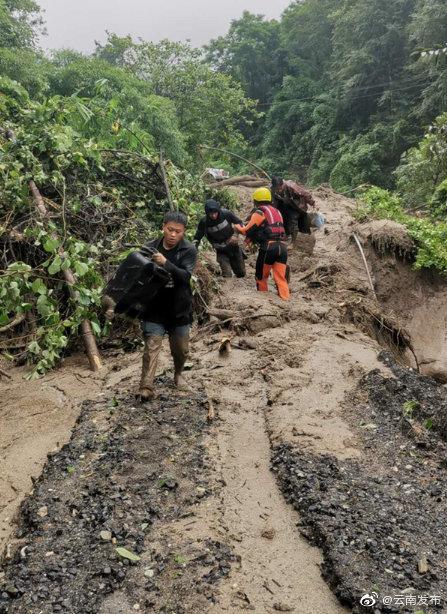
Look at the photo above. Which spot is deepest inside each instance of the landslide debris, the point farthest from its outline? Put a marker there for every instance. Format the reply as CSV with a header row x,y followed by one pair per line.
x,y
380,519
86,531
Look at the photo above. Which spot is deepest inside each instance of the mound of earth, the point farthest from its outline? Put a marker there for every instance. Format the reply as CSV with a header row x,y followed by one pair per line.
x,y
388,237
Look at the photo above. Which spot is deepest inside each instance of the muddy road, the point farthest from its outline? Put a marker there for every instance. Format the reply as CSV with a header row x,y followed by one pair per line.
x,y
318,487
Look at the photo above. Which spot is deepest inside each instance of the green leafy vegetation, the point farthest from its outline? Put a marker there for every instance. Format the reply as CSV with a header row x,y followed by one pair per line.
x,y
345,87
101,195
88,131
345,92
430,236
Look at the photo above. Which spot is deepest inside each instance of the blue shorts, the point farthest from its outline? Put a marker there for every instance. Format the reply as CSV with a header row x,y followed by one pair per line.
x,y
154,329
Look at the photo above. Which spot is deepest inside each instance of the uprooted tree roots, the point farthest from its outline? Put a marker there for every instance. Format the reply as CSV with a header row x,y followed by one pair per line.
x,y
384,328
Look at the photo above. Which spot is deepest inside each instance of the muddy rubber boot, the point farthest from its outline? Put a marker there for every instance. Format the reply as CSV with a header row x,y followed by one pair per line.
x,y
225,265
179,350
152,347
108,305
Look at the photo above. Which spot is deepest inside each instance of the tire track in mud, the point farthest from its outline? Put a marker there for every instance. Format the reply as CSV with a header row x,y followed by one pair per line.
x,y
279,570
128,473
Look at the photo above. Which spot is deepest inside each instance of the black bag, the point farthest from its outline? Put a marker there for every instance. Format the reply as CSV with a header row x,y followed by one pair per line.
x,y
135,283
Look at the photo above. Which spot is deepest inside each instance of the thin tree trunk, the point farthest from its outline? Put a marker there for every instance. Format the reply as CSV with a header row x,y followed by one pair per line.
x,y
86,327
165,181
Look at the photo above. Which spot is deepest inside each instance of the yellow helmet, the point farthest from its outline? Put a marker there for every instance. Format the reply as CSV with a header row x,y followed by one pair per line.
x,y
262,195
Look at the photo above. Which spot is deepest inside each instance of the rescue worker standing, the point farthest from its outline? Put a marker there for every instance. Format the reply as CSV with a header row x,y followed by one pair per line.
x,y
217,226
170,312
293,201
266,228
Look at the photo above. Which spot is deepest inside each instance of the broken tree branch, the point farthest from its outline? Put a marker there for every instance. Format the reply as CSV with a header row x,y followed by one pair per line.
x,y
222,314
17,320
242,180
258,168
165,182
211,412
225,347
86,327
359,245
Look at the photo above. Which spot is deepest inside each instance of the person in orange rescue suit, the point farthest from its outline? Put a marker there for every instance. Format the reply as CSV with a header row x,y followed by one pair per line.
x,y
266,229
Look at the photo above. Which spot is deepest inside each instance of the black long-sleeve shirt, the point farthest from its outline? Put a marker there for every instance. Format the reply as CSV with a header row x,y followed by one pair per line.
x,y
217,231
172,306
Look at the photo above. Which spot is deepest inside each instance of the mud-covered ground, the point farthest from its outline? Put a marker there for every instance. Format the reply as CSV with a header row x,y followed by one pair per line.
x,y
380,519
127,467
359,448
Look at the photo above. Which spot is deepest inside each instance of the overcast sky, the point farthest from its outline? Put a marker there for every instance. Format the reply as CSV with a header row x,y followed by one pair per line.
x,y
78,23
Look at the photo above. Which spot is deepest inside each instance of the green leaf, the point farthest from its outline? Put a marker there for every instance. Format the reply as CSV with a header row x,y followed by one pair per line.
x,y
20,267
66,263
96,327
38,286
34,347
55,266
127,554
81,269
429,424
51,245
43,305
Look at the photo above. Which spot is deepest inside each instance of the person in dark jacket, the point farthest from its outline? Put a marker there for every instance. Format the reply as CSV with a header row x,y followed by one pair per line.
x,y
217,226
293,200
170,312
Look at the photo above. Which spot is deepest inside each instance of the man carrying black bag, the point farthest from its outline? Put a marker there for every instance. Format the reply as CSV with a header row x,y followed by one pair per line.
x,y
170,311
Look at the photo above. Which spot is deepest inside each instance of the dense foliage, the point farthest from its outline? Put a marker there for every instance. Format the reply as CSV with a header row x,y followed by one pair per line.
x,y
88,131
346,86
347,91
101,195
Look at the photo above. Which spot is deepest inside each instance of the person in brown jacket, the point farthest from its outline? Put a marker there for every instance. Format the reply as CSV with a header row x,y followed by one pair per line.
x,y
293,200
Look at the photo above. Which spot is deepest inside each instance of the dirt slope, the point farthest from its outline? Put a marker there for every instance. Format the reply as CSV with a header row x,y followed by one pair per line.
x,y
306,385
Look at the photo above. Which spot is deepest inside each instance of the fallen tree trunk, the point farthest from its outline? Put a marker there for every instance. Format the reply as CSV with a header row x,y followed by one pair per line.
x,y
86,327
257,183
222,314
229,153
233,181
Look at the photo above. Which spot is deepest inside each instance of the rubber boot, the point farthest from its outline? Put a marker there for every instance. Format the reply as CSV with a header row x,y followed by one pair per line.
x,y
152,347
179,350
224,263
